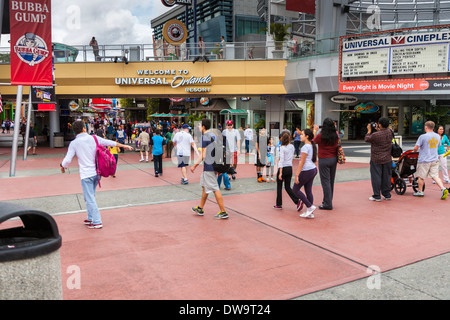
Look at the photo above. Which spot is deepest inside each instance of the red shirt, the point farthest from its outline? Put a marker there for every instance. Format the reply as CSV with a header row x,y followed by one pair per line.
x,y
325,150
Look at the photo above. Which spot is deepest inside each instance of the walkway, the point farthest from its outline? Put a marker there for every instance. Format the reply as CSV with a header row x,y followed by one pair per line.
x,y
153,247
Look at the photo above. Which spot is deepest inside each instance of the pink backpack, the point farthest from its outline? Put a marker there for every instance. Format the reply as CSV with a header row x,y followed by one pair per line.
x,y
104,161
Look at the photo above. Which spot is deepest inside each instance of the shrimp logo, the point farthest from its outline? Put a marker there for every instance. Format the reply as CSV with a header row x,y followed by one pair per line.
x,y
31,49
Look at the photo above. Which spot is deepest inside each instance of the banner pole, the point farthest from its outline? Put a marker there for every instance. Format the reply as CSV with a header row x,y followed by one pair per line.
x,y
27,131
12,169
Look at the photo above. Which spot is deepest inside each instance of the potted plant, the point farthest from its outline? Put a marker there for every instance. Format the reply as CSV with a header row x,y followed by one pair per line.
x,y
279,34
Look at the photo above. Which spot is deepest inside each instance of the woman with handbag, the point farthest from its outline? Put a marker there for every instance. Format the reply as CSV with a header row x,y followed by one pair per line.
x,y
328,141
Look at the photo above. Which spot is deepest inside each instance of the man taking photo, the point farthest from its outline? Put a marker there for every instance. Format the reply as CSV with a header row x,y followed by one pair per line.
x,y
380,159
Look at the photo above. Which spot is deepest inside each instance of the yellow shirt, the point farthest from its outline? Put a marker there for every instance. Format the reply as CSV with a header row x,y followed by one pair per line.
x,y
113,150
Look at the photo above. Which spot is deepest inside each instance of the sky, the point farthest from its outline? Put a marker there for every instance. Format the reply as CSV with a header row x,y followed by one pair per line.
x,y
75,22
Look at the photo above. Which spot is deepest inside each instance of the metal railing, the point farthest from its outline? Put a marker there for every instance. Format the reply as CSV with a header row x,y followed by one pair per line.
x,y
256,50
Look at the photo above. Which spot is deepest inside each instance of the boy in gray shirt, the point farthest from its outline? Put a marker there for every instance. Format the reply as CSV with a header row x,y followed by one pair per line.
x,y
428,163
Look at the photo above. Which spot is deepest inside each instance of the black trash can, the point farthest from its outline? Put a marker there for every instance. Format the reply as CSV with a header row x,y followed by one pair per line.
x,y
30,266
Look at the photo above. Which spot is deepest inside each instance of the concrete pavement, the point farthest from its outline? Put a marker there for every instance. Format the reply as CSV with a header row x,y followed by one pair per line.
x,y
153,247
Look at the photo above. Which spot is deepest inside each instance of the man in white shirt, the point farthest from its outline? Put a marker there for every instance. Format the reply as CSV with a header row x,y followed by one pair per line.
x,y
248,134
183,141
84,147
233,139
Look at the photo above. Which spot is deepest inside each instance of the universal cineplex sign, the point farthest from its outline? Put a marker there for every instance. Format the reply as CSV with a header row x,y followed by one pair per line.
x,y
173,78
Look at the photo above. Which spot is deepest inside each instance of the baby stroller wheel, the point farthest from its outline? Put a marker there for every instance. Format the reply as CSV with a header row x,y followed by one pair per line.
x,y
400,186
415,185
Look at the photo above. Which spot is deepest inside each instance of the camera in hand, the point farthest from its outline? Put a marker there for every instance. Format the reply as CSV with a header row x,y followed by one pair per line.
x,y
373,125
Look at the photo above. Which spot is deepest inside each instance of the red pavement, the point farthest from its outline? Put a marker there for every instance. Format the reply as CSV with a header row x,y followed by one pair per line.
x,y
165,252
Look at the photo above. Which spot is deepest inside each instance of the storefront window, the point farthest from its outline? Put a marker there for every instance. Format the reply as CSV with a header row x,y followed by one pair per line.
x,y
393,118
417,120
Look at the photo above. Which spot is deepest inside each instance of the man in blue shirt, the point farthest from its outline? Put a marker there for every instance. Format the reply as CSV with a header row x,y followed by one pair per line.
x,y
428,163
158,152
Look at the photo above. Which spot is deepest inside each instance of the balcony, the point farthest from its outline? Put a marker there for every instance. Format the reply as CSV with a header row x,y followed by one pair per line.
x,y
166,52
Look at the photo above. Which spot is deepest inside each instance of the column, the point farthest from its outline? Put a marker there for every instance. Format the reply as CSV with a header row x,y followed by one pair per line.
x,y
54,123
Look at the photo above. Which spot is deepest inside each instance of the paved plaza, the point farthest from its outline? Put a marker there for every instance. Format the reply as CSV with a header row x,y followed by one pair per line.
x,y
153,247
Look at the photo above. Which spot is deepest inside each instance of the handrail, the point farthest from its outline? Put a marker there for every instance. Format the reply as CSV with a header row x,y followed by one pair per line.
x,y
159,51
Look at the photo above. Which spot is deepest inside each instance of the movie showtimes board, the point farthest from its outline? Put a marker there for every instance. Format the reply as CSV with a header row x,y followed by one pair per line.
x,y
396,55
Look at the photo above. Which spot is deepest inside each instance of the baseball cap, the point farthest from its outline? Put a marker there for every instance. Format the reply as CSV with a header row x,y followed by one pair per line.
x,y
185,126
229,123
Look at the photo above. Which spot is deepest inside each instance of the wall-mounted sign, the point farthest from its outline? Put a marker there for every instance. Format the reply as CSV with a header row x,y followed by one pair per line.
x,y
178,79
73,106
42,94
344,99
175,32
171,3
204,101
368,107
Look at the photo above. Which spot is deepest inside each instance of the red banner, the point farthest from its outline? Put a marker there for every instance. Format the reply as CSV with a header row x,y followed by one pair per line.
x,y
46,107
31,42
306,6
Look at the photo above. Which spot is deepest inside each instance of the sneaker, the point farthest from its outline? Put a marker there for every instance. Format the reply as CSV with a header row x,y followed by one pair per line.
x,y
141,160
385,198
309,211
272,179
95,226
444,194
299,205
221,215
374,199
184,181
199,211
418,194
87,222
278,207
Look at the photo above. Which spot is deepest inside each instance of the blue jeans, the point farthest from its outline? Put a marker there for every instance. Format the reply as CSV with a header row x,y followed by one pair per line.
x,y
89,185
247,146
226,180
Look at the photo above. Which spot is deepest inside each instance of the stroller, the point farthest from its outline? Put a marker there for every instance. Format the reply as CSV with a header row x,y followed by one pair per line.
x,y
403,173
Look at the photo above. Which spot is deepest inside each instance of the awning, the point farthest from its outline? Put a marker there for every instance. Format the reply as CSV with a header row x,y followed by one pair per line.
x,y
234,112
216,105
101,104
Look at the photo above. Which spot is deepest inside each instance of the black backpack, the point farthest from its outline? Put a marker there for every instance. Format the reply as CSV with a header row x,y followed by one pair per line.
x,y
220,164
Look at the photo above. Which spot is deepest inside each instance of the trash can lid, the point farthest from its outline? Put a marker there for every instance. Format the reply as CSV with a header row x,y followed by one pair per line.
x,y
38,236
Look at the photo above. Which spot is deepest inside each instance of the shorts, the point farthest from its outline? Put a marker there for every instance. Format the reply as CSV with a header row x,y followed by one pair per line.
x,y
183,161
428,169
145,148
233,157
31,142
208,180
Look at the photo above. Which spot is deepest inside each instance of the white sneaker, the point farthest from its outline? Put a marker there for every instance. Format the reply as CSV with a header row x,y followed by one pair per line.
x,y
374,199
309,211
141,160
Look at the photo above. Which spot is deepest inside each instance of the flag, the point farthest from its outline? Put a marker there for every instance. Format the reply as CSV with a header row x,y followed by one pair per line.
x,y
31,42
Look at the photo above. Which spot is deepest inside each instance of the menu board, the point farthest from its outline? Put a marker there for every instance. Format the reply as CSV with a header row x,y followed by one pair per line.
x,y
405,54
365,63
419,59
